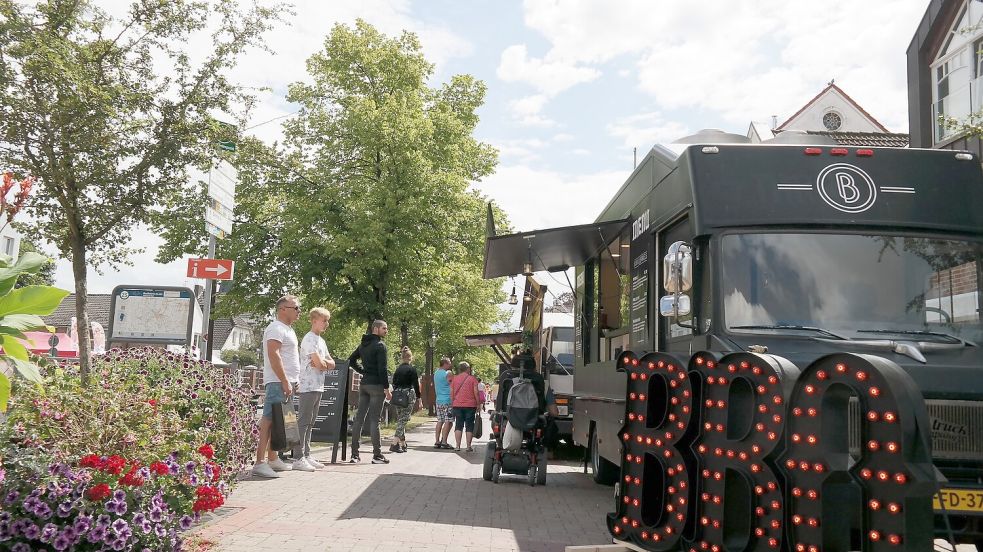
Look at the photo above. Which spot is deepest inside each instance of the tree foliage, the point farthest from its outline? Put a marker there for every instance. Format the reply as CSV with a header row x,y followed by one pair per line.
x,y
367,207
109,113
45,275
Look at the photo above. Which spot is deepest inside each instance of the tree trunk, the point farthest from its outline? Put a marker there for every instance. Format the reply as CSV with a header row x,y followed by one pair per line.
x,y
81,310
404,334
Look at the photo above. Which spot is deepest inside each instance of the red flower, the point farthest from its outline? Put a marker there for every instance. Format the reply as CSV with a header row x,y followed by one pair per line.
x,y
114,465
207,451
159,468
209,498
98,492
93,461
216,471
152,402
131,478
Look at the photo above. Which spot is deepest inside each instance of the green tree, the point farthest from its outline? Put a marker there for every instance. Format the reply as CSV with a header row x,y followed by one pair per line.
x,y
45,276
110,113
367,207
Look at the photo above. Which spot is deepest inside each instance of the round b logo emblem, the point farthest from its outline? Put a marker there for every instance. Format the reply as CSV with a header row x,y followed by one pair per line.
x,y
846,188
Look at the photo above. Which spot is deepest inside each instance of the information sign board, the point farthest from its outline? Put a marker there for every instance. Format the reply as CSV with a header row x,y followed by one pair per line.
x,y
151,314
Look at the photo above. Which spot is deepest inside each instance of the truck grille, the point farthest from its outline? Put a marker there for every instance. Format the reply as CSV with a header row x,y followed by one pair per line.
x,y
956,426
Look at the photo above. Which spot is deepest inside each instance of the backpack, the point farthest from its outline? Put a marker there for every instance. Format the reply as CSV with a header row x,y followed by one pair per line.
x,y
523,405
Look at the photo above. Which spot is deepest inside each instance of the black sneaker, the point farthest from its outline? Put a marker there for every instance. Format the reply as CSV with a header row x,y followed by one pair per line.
x,y
354,459
395,448
379,459
437,445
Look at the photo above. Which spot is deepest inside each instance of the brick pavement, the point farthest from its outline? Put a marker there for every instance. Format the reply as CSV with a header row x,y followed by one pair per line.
x,y
424,500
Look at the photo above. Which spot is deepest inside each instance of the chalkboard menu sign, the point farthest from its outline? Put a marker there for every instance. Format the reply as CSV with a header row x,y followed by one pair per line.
x,y
331,416
639,293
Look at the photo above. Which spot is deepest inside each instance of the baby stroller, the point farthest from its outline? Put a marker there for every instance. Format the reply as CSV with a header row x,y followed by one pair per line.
x,y
518,424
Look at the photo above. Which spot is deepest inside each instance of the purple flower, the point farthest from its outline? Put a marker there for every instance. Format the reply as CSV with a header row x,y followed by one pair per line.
x,y
20,547
31,531
32,503
186,522
160,531
156,514
97,534
190,466
117,507
64,509
82,524
193,480
119,526
18,526
119,495
62,542
103,521
49,532
43,511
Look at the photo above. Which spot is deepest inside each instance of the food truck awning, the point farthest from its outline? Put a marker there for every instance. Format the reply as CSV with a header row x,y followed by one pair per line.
x,y
496,341
552,250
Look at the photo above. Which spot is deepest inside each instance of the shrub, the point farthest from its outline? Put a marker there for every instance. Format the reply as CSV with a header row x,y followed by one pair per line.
x,y
158,427
243,357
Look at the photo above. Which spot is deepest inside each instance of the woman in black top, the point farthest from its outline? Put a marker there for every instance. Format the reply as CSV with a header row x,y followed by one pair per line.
x,y
405,377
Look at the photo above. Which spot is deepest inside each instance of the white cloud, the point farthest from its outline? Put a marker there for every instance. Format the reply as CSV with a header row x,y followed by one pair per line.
x,y
646,129
548,76
527,110
536,198
743,60
563,137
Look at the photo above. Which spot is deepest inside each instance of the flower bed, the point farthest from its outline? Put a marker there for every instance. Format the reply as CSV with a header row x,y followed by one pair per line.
x,y
126,463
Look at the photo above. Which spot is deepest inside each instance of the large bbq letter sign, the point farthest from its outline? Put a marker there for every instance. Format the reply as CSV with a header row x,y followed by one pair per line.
x,y
746,452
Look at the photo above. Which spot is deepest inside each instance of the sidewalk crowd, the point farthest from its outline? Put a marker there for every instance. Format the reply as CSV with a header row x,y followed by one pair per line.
x,y
292,367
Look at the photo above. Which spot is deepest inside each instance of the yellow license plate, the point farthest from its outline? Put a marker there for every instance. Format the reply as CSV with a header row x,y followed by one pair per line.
x,y
959,500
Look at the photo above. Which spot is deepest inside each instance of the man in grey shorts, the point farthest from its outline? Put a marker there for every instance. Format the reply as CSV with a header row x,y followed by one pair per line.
x,y
281,373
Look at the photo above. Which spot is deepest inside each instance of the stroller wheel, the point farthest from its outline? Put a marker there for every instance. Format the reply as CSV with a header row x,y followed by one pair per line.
x,y
532,475
496,470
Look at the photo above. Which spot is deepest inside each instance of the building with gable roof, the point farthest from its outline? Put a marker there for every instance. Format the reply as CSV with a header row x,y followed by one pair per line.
x,y
834,114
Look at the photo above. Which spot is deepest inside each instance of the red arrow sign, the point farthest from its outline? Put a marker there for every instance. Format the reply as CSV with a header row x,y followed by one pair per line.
x,y
213,269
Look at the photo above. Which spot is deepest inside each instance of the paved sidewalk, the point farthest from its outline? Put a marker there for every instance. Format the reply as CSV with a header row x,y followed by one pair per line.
x,y
423,500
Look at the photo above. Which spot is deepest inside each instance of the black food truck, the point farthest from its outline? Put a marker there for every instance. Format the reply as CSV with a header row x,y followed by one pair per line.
x,y
796,250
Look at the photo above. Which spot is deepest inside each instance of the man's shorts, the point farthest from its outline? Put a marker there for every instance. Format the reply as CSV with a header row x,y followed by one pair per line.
x,y
274,394
444,413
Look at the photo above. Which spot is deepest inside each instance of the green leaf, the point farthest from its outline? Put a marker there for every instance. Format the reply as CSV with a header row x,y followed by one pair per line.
x,y
40,300
4,392
28,263
14,348
24,323
26,369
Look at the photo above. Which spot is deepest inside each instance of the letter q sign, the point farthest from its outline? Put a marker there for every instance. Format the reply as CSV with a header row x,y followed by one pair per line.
x,y
747,452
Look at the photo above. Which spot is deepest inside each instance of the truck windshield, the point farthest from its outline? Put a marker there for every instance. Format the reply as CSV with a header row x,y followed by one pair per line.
x,y
860,286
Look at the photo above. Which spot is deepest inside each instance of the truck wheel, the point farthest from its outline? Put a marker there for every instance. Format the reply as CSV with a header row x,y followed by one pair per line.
x,y
486,471
496,470
532,475
605,472
541,469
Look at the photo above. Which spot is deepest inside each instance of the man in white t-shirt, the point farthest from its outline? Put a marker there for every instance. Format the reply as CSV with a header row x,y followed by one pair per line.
x,y
314,362
281,374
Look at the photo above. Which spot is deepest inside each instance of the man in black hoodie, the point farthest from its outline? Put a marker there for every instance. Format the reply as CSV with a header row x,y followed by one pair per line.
x,y
373,387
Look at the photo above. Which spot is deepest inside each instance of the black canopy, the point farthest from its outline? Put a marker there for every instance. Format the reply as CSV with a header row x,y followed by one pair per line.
x,y
553,249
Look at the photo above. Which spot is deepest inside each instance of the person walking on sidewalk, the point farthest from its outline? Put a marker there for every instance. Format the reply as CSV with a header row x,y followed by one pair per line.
x,y
374,386
315,360
445,414
281,372
405,380
464,398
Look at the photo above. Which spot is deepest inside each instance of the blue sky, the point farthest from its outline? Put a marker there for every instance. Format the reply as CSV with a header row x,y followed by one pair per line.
x,y
574,85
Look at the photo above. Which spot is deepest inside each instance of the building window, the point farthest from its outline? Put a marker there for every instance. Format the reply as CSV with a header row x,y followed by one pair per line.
x,y
832,120
956,72
8,246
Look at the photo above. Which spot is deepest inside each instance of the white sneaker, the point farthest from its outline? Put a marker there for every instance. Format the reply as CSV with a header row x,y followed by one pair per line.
x,y
280,465
315,463
301,464
264,470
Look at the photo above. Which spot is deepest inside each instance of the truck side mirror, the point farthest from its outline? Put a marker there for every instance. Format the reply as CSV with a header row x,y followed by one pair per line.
x,y
675,306
677,268
677,279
